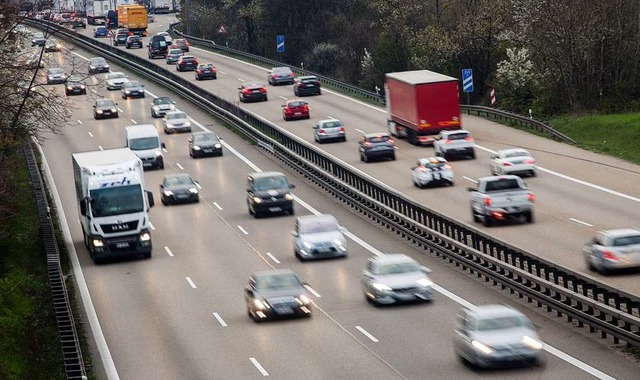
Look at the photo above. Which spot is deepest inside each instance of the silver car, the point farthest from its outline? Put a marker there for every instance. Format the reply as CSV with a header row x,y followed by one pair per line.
x,y
318,236
396,278
132,89
327,130
56,75
280,75
176,121
613,249
116,80
494,335
431,171
513,161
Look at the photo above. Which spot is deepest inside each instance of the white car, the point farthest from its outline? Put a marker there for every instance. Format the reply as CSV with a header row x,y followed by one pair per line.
x,y
166,36
513,161
318,236
116,80
431,171
176,121
458,143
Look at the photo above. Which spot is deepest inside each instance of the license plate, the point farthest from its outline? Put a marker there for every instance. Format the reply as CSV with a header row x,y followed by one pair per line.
x,y
255,91
298,113
122,245
181,196
274,209
107,113
207,150
284,310
146,164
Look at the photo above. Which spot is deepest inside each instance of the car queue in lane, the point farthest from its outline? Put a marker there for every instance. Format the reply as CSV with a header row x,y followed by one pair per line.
x,y
291,337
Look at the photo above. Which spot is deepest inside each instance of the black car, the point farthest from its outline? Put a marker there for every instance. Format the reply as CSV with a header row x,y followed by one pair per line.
x,y
376,145
307,85
179,188
74,86
98,65
132,89
133,41
269,192
280,75
105,108
204,144
157,47
206,71
276,294
120,38
79,23
186,62
251,91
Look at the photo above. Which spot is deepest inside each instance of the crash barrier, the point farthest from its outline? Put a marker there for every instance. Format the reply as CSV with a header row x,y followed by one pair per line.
x,y
578,297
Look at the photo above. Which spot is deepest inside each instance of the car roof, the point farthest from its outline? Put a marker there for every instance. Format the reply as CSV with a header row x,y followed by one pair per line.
x,y
512,150
329,121
495,311
273,272
323,218
621,232
393,258
265,174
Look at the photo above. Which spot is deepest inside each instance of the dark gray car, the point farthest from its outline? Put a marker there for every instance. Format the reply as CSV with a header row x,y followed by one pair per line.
x,y
204,144
132,89
98,65
178,188
395,278
269,192
318,237
276,293
496,335
105,108
280,75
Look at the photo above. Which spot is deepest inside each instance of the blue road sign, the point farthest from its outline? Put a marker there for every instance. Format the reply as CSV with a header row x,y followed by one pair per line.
x,y
280,43
467,80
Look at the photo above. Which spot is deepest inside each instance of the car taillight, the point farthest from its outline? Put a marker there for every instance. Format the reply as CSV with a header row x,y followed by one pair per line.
x,y
214,70
263,90
305,108
448,141
130,34
447,166
292,75
530,161
246,91
486,201
342,129
187,43
531,197
321,132
195,61
390,141
469,139
274,75
608,255
506,163
367,144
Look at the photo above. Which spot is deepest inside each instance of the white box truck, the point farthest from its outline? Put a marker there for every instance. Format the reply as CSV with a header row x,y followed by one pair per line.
x,y
161,6
113,204
97,11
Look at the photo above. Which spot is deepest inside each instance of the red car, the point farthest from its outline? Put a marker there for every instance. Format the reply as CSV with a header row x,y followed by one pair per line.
x,y
295,109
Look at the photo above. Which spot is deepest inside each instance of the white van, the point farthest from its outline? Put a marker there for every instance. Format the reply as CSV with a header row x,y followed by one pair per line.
x,y
144,141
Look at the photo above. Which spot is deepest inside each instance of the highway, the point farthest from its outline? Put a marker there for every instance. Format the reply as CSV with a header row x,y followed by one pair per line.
x,y
181,314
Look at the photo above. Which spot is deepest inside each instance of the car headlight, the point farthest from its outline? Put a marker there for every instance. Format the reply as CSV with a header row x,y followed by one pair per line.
x,y
127,91
69,87
218,146
303,300
482,347
532,343
99,111
82,87
307,245
50,77
156,108
337,241
92,67
187,123
145,236
195,147
257,199
97,243
158,153
193,190
424,282
114,110
260,304
288,197
172,107
168,193
382,287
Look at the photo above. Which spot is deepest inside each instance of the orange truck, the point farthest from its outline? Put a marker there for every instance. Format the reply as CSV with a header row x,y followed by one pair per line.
x,y
134,18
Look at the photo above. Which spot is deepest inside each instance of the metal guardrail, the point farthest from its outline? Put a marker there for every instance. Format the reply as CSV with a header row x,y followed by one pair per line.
x,y
601,307
487,112
71,353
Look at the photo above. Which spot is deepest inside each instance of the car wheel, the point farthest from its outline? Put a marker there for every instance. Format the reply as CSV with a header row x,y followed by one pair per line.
x,y
319,92
266,98
452,183
487,221
532,173
197,77
161,165
164,201
365,158
344,139
529,217
473,155
474,216
393,157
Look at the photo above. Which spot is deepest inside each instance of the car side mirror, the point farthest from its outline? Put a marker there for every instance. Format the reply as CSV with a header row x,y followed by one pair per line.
x,y
161,186
294,234
284,105
163,146
249,291
292,186
94,106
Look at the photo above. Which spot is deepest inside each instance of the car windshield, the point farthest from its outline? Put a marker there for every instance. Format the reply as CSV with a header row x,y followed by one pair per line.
x,y
98,61
626,240
175,51
279,281
56,71
397,268
331,124
75,80
38,35
163,100
458,136
518,153
116,200
144,143
503,184
206,66
269,183
177,181
205,138
500,323
433,164
116,76
317,226
296,104
308,79
177,115
132,84
281,70
105,103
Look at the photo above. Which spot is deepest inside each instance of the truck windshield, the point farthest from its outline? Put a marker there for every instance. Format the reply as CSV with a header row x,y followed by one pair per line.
x,y
118,200
144,143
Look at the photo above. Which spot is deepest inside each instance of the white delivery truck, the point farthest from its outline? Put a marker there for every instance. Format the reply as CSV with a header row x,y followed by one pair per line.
x,y
161,6
113,204
97,11
144,141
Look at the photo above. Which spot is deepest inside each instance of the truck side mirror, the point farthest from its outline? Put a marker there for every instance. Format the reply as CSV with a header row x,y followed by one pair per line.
x,y
83,207
150,199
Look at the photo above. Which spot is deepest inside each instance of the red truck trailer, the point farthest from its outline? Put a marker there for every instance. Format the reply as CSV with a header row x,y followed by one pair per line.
x,y
420,104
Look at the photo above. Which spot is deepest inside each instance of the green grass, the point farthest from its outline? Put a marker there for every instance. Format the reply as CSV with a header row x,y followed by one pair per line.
x,y
616,135
29,339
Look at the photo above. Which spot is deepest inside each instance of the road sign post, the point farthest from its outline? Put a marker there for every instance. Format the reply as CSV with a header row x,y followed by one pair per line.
x,y
467,82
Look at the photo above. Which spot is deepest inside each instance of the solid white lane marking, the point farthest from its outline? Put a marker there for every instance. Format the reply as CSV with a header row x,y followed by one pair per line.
x,y
80,122
180,166
217,206
241,80
134,122
581,222
120,110
222,72
90,134
310,289
190,281
94,91
243,230
151,226
583,366
259,367
168,251
220,320
367,334
469,179
69,110
273,258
